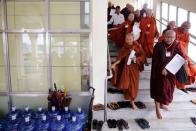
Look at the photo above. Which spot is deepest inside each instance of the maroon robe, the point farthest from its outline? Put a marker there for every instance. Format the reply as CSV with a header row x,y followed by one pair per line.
x,y
162,87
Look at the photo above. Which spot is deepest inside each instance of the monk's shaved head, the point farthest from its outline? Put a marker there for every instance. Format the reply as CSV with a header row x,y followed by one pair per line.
x,y
169,36
185,26
149,12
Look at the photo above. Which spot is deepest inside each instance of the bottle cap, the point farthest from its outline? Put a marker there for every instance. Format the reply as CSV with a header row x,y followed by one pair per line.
x,y
58,117
79,109
13,117
66,108
53,108
44,117
74,118
40,109
27,108
13,108
27,119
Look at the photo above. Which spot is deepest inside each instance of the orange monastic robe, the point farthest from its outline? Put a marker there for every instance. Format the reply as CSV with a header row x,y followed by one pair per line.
x,y
148,24
118,35
126,77
183,38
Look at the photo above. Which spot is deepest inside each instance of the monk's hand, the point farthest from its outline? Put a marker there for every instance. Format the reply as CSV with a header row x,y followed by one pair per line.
x,y
164,72
113,66
134,60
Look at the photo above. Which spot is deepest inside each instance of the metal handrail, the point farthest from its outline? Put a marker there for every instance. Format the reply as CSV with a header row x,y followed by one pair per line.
x,y
106,83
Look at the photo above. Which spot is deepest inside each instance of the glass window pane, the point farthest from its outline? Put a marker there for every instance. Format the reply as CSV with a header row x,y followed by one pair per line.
x,y
164,22
164,10
193,25
172,13
0,15
191,51
32,102
26,15
69,15
182,16
163,27
4,105
28,62
2,68
70,61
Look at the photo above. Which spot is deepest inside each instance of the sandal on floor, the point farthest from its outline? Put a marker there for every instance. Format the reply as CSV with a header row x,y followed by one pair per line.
x,y
193,101
98,107
143,123
112,123
99,125
140,105
125,124
119,125
95,123
113,106
193,119
192,89
124,104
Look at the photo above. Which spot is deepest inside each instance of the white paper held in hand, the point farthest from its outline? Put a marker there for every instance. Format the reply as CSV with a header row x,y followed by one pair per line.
x,y
175,64
131,56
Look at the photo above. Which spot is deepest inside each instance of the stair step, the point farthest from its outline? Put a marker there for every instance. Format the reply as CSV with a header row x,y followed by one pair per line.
x,y
144,96
183,124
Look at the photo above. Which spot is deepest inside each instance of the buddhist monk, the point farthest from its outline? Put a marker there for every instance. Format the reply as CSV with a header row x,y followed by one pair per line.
x,y
162,82
118,34
130,57
148,33
182,35
171,26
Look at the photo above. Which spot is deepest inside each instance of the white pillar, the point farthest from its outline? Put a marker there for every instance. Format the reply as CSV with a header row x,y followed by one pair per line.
x,y
99,48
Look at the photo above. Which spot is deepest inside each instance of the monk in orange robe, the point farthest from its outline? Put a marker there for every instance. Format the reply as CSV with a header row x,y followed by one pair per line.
x,y
118,34
148,33
182,35
130,57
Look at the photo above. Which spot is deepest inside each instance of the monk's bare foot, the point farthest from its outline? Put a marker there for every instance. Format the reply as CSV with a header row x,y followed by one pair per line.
x,y
164,107
159,116
133,105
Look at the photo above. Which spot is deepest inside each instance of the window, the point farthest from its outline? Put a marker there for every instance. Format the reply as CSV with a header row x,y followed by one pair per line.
x,y
28,61
172,13
2,68
142,2
182,16
193,25
26,15
38,56
165,11
70,60
69,15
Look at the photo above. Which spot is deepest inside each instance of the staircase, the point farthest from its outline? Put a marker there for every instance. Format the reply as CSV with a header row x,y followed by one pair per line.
x,y
176,119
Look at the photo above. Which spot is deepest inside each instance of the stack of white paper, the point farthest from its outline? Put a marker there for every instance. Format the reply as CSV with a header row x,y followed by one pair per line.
x,y
131,56
175,64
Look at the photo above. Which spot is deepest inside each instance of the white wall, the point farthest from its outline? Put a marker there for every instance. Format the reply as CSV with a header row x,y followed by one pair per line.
x,y
99,48
186,4
122,3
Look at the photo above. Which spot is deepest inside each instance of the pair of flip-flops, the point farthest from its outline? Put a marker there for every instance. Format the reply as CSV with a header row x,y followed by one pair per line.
x,y
115,91
143,123
120,124
97,125
113,106
193,119
98,107
192,89
125,104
